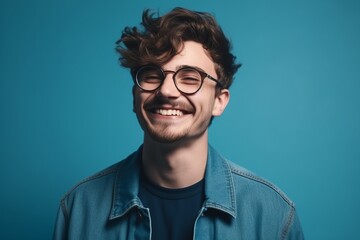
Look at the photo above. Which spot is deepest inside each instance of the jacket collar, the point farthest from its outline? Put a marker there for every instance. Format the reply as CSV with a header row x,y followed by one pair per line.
x,y
219,186
126,186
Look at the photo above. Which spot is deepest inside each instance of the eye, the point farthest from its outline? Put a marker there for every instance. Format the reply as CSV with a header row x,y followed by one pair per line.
x,y
151,78
149,75
188,77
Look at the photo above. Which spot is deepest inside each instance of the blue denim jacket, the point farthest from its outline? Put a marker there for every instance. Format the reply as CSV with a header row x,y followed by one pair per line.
x,y
238,205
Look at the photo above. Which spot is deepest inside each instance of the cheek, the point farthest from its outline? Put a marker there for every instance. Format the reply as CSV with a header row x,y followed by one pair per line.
x,y
139,98
136,102
205,102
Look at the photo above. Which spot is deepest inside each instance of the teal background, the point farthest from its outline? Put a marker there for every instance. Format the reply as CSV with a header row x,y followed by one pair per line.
x,y
293,117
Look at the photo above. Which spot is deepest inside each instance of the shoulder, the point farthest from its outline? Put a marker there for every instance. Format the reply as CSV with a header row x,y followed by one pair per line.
x,y
260,200
92,185
100,182
249,184
96,178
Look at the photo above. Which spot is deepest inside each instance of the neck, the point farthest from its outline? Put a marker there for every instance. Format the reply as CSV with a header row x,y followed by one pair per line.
x,y
175,165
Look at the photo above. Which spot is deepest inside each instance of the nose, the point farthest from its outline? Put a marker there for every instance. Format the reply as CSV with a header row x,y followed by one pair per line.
x,y
168,88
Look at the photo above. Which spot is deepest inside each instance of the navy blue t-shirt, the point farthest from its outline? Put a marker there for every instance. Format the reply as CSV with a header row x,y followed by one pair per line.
x,y
173,211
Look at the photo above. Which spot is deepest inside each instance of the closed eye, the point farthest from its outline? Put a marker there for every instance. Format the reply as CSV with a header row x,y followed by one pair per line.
x,y
189,80
151,78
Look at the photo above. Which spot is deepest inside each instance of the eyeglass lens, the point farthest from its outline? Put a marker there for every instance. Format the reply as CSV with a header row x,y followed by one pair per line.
x,y
187,80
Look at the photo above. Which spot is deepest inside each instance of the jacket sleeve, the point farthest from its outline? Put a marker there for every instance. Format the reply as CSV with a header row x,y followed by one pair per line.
x,y
295,231
61,224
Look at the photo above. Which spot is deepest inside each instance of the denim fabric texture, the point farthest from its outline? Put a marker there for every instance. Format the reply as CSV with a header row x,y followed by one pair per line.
x,y
238,205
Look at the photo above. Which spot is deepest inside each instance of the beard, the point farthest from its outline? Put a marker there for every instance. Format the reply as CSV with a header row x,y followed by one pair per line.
x,y
167,132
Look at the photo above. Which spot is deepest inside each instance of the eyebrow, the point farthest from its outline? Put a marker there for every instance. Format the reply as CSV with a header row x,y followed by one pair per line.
x,y
189,66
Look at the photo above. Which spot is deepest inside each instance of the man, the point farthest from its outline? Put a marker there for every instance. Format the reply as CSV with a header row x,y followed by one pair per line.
x,y
176,186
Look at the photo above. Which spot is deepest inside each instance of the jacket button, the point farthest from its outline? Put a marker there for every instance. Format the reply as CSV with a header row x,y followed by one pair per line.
x,y
139,217
203,212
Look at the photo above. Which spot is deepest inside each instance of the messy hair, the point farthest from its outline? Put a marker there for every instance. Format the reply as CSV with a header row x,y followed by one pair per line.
x,y
161,38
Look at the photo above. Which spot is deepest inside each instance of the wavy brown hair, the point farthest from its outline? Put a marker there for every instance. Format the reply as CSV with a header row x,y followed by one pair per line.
x,y
161,38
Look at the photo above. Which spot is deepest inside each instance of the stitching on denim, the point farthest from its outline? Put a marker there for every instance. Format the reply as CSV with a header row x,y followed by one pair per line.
x,y
263,181
232,187
211,204
288,223
100,174
128,207
230,207
114,208
65,213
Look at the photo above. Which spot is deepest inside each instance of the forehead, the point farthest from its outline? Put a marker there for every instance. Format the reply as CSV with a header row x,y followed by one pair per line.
x,y
192,54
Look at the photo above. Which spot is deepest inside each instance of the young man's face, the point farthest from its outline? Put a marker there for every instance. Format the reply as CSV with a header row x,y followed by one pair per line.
x,y
166,114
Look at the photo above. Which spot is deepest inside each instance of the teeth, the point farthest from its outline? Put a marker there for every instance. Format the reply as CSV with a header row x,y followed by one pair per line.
x,y
169,112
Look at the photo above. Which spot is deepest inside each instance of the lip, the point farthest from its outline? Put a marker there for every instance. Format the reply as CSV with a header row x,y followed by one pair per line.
x,y
168,112
158,108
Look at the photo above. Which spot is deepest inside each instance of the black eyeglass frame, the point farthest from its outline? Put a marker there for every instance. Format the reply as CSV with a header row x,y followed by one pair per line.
x,y
202,74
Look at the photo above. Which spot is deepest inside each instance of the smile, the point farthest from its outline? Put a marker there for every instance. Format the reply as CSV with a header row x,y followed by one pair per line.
x,y
169,112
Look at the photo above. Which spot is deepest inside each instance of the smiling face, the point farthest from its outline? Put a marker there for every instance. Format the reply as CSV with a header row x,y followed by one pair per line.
x,y
166,115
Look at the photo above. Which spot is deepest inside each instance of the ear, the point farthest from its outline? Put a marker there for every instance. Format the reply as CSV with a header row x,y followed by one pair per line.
x,y
221,101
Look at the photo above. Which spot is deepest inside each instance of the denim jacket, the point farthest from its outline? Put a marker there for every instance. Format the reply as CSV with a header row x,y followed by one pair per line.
x,y
238,205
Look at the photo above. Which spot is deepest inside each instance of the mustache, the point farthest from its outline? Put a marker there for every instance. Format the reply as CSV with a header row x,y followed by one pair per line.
x,y
158,102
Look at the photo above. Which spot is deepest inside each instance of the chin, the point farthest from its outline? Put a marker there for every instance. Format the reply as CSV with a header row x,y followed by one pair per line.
x,y
166,138
171,137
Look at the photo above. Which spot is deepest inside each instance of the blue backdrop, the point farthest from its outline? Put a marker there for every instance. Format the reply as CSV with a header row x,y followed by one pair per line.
x,y
66,105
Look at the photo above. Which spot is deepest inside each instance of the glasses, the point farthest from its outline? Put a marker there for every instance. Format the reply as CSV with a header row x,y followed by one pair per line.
x,y
188,80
